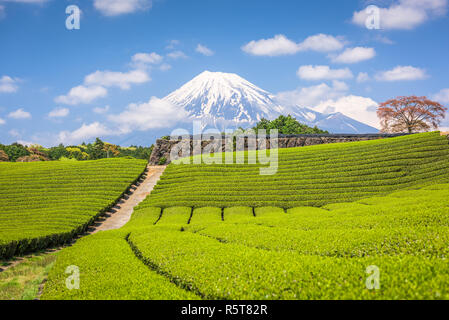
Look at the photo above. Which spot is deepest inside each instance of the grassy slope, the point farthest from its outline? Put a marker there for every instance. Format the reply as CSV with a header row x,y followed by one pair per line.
x,y
306,253
23,281
110,270
309,176
44,204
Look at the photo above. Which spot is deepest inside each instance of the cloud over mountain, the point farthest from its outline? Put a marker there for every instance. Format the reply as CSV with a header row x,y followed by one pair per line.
x,y
402,73
311,72
281,45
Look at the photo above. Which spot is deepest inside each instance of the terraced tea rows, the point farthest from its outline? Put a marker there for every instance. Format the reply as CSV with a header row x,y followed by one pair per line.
x,y
45,204
309,176
304,253
308,232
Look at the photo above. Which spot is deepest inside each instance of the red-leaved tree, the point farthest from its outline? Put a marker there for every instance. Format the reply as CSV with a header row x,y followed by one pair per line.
x,y
410,114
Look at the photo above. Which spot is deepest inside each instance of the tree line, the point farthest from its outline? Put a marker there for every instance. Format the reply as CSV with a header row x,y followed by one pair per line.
x,y
99,149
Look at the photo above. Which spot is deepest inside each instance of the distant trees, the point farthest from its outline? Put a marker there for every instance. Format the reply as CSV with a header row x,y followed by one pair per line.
x,y
410,114
3,156
111,150
38,151
77,153
30,158
92,151
15,151
58,152
287,125
136,152
96,150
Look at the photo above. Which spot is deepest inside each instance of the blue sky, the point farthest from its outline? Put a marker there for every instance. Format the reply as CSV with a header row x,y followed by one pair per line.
x,y
59,85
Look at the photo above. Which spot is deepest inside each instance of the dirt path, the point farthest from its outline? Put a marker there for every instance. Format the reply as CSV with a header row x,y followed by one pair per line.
x,y
123,211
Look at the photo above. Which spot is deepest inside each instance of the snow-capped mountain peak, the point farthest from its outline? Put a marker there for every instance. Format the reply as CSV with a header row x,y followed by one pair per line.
x,y
226,99
224,95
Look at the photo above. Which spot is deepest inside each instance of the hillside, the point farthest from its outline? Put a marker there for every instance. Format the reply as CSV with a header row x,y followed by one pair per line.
x,y
226,249
47,203
309,176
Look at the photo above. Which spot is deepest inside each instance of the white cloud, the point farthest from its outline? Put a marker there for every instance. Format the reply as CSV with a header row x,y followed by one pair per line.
x,y
321,43
383,39
154,114
2,7
84,133
436,7
2,121
59,113
359,108
19,114
313,95
8,84
119,7
165,67
117,79
354,55
405,14
310,72
277,46
204,50
281,45
172,44
330,99
177,55
95,84
82,95
147,58
363,77
442,96
99,110
402,73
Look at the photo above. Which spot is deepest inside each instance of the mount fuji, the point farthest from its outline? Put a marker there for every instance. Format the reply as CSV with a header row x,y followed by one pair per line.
x,y
226,99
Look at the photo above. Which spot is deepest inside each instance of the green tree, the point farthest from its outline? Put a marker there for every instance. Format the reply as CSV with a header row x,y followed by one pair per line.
x,y
96,150
111,150
15,151
58,152
77,153
287,125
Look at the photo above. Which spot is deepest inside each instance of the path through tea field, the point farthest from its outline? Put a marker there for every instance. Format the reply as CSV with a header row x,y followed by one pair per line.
x,y
309,232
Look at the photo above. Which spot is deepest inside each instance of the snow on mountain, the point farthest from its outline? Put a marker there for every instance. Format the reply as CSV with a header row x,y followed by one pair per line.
x,y
224,95
226,99
339,123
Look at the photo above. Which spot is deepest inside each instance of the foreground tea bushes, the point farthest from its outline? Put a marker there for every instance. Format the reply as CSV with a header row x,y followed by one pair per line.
x,y
47,203
309,176
232,271
269,253
308,232
310,253
108,270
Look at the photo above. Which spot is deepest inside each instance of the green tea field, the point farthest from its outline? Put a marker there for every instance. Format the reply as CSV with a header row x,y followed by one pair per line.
x,y
331,218
47,203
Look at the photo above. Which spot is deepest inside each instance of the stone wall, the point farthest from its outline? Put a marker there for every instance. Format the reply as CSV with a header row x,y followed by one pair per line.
x,y
163,147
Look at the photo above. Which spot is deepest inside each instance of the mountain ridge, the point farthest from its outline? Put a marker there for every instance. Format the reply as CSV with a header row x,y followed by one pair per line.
x,y
223,99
